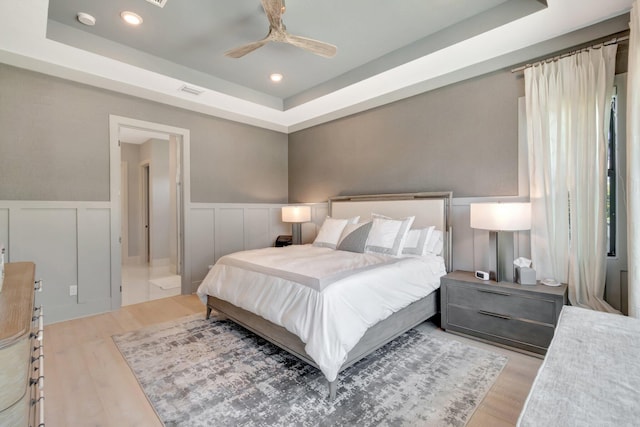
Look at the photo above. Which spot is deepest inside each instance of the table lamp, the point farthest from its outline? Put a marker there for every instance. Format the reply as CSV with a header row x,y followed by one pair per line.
x,y
296,215
499,218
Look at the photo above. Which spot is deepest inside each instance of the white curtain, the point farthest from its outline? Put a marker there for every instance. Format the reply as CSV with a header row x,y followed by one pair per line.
x,y
633,163
568,112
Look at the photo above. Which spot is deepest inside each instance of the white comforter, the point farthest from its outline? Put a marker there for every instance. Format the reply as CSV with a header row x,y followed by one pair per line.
x,y
308,291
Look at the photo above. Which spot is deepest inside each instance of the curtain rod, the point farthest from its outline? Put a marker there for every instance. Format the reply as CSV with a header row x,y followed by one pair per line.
x,y
615,40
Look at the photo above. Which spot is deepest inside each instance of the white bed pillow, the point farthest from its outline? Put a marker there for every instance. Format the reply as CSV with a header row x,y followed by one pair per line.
x,y
387,236
331,230
416,241
436,243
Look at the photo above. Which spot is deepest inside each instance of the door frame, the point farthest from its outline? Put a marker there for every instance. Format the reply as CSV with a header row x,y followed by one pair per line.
x,y
145,213
124,182
115,123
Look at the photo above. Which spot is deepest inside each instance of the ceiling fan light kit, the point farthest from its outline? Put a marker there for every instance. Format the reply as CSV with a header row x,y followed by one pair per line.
x,y
278,33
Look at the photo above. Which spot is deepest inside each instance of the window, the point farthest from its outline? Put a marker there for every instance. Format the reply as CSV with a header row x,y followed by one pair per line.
x,y
611,180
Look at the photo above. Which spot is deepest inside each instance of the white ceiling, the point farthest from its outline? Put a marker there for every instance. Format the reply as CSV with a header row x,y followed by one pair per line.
x,y
384,53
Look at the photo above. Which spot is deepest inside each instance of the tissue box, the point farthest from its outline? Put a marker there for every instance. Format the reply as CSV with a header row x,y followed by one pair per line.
x,y
525,276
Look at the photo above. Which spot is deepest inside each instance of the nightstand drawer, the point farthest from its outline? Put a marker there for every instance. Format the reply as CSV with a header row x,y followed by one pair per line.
x,y
496,325
503,301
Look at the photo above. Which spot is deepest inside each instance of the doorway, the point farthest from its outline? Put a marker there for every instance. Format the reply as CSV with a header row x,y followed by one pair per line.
x,y
151,270
151,198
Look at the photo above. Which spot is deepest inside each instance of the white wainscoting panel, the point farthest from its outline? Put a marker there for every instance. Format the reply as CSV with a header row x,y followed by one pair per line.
x,y
70,245
48,237
94,255
257,222
230,235
203,237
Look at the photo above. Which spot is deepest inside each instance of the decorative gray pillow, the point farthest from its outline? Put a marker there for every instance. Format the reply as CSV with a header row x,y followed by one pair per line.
x,y
354,237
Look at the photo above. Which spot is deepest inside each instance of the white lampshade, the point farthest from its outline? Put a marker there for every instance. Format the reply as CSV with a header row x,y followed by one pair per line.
x,y
501,216
296,213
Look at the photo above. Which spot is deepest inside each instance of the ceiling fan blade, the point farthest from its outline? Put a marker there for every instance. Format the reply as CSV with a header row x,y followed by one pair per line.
x,y
314,46
241,51
273,9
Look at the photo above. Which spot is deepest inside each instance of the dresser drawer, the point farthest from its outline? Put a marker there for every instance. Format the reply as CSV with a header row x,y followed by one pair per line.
x,y
510,331
15,360
18,413
503,301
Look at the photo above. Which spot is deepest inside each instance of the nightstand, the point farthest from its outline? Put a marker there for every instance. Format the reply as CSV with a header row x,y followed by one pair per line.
x,y
521,317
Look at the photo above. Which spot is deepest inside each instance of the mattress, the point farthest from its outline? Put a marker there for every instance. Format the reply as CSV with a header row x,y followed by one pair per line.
x,y
328,298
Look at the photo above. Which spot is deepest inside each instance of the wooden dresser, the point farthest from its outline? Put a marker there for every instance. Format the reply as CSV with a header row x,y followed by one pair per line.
x,y
21,361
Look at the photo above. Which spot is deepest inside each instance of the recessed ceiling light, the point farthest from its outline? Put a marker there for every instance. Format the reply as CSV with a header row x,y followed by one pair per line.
x,y
86,19
131,18
276,77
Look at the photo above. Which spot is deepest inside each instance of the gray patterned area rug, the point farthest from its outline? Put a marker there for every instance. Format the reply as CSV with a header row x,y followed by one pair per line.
x,y
198,372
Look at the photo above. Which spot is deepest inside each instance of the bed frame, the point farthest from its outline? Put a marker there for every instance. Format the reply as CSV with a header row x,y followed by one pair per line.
x,y
429,209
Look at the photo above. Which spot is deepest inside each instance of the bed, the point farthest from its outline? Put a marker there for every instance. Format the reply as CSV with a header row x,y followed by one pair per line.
x,y
590,375
331,306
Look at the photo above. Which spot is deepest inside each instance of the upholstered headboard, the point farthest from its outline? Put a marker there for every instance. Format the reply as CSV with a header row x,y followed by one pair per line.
x,y
428,208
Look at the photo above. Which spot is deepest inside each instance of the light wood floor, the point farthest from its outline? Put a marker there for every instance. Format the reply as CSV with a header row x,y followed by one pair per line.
x,y
88,383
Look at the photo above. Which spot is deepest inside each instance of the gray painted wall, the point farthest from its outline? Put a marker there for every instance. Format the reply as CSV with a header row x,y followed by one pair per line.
x,y
54,144
462,137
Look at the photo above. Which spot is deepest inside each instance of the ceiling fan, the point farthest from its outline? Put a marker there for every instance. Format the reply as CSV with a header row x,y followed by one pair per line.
x,y
278,33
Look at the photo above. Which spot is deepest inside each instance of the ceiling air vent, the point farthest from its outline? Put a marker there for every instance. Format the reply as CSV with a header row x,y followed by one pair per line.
x,y
191,90
159,3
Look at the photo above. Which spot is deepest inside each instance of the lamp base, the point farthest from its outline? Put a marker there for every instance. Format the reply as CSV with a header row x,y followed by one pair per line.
x,y
494,273
296,233
502,249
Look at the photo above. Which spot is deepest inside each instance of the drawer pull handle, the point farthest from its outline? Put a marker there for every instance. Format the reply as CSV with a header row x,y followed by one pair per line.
x,y
490,291
500,316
